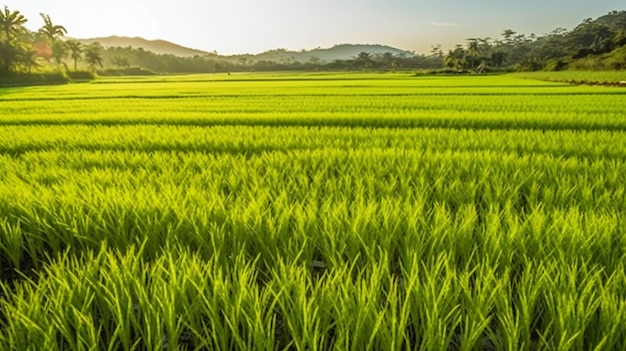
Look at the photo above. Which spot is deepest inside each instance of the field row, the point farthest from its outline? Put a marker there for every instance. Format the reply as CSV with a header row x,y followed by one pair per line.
x,y
498,117
245,140
580,77
178,300
475,103
345,202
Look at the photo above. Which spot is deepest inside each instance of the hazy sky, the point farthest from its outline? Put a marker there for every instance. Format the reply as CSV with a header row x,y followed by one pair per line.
x,y
252,26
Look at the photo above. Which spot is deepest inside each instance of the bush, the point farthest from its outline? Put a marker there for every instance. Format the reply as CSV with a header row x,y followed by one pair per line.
x,y
23,79
131,71
555,65
81,76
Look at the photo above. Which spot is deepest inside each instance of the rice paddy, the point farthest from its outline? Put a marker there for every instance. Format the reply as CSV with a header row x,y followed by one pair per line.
x,y
313,212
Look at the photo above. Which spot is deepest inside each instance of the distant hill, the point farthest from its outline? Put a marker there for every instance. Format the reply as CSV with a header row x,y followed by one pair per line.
x,y
337,52
156,46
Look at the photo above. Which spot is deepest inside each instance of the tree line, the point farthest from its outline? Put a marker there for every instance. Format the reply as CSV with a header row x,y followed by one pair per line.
x,y
123,58
21,50
593,44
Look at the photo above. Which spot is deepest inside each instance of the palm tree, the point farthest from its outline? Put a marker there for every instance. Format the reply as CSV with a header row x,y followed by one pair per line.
x,y
364,59
59,51
498,58
50,30
473,47
474,51
29,59
455,58
508,35
75,48
11,23
93,56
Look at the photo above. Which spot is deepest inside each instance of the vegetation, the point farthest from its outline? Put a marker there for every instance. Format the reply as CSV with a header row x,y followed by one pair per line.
x,y
593,45
22,50
313,212
580,77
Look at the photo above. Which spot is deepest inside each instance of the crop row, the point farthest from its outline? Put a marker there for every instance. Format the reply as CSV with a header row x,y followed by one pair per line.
x,y
345,203
598,114
578,77
17,140
113,300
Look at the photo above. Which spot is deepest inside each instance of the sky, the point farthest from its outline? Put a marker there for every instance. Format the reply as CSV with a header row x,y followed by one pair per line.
x,y
254,26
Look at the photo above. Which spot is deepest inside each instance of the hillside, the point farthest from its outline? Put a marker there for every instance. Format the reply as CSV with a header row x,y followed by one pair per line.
x,y
337,52
595,44
156,46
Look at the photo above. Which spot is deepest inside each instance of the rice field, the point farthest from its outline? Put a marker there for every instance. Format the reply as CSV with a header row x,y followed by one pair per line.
x,y
313,212
579,77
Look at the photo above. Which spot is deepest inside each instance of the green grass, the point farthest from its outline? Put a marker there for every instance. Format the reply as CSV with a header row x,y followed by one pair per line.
x,y
313,212
578,77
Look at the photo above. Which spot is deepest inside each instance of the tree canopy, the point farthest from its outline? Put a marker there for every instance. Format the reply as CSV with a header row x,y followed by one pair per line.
x,y
591,41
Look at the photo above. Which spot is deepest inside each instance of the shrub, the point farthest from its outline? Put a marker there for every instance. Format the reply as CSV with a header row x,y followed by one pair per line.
x,y
131,71
33,79
81,76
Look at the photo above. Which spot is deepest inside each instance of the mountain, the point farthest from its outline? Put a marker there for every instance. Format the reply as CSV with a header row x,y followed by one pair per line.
x,y
156,46
337,52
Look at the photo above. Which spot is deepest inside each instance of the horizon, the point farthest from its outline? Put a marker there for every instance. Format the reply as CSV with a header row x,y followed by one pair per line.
x,y
246,27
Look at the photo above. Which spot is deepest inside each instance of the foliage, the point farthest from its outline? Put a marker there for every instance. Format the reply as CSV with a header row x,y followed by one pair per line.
x,y
33,79
93,55
11,23
164,63
552,51
78,76
76,50
50,30
130,71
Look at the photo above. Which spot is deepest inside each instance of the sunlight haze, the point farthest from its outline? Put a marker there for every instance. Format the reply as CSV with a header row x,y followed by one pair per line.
x,y
247,26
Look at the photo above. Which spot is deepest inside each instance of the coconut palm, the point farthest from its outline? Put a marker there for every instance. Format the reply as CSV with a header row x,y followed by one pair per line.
x,y
508,36
364,59
455,58
93,56
474,51
11,23
75,48
50,30
59,51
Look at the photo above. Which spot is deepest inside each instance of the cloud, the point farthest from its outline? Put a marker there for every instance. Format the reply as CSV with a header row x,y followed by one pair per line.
x,y
445,24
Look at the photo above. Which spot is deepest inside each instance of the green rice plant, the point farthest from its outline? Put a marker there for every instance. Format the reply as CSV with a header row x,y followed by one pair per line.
x,y
577,77
312,212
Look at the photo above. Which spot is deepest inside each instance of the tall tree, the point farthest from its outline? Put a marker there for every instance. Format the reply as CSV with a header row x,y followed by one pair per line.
x,y
474,51
363,60
473,46
13,50
59,51
93,55
508,36
50,30
76,51
11,23
456,58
